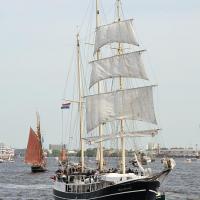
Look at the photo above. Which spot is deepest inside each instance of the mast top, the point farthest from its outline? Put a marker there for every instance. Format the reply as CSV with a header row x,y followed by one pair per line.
x,y
77,40
38,124
118,10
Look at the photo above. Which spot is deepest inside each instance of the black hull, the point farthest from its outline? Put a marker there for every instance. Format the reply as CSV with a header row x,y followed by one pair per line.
x,y
131,190
36,169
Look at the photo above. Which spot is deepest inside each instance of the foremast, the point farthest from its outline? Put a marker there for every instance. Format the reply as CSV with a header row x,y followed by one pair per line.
x,y
101,159
38,132
80,104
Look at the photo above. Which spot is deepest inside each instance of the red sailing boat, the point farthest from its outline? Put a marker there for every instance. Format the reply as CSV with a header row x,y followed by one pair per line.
x,y
63,156
34,153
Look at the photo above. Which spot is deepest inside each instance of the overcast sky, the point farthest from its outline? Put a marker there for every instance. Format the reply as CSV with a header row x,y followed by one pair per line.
x,y
36,43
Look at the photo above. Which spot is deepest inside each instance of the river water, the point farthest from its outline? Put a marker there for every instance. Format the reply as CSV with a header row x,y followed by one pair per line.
x,y
18,183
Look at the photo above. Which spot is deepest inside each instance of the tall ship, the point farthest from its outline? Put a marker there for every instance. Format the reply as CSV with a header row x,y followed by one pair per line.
x,y
116,105
35,155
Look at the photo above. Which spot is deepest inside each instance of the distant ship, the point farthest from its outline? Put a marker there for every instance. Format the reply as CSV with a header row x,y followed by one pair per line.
x,y
6,153
34,155
62,160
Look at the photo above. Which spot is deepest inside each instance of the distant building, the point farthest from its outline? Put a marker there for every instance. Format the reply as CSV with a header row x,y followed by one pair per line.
x,y
152,146
58,147
55,147
178,152
72,152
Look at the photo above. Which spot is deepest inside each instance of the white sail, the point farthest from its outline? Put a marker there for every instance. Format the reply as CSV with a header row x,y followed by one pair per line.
x,y
143,133
135,104
121,31
125,65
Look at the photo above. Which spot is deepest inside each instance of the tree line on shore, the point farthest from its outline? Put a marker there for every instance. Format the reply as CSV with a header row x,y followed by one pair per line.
x,y
92,152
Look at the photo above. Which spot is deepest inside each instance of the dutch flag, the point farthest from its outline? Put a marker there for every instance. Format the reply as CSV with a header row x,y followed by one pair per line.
x,y
65,105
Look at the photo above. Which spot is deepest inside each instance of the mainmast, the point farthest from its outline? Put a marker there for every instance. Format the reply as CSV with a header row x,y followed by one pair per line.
x,y
38,128
80,103
99,90
38,125
119,51
39,134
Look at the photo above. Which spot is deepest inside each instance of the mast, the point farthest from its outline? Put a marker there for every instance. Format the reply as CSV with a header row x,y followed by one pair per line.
x,y
38,125
119,51
80,103
39,133
99,90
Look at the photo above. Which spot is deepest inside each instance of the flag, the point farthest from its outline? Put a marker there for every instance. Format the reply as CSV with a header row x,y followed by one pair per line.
x,y
65,105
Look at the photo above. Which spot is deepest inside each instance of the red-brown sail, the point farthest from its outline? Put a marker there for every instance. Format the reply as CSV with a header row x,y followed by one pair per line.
x,y
34,150
63,155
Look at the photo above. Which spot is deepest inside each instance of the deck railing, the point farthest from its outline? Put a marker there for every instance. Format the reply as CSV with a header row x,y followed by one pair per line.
x,y
90,187
82,183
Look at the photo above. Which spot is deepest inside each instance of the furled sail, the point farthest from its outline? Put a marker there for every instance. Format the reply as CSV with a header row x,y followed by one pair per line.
x,y
120,31
143,133
135,104
125,65
34,150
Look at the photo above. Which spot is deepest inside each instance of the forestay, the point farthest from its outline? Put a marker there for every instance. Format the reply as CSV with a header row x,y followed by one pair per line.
x,y
125,65
121,31
135,104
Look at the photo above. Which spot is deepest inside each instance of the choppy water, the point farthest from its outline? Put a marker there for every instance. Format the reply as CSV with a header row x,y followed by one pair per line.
x,y
18,183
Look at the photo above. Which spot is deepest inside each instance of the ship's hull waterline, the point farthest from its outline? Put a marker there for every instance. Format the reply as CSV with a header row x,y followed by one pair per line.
x,y
131,190
36,169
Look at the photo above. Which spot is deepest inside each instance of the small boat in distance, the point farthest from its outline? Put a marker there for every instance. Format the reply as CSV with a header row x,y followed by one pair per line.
x,y
188,160
62,160
34,155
